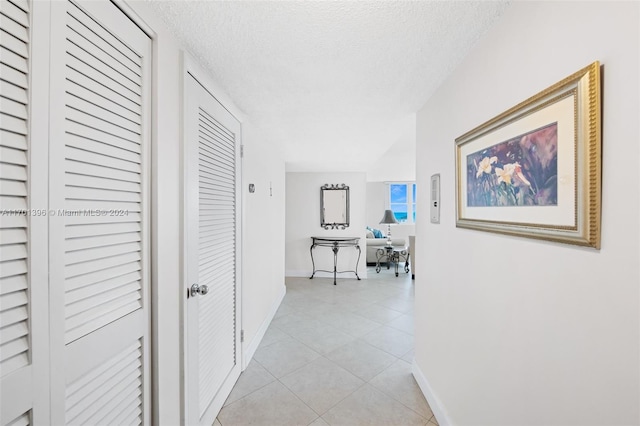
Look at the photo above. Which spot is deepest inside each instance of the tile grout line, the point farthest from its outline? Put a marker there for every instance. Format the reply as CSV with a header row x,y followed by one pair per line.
x,y
347,396
333,362
402,403
320,318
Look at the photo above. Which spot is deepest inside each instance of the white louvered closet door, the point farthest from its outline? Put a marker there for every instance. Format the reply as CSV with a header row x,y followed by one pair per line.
x,y
99,238
23,284
212,236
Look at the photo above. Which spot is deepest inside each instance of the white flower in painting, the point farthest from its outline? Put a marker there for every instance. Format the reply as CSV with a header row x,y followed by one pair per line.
x,y
504,175
518,172
485,165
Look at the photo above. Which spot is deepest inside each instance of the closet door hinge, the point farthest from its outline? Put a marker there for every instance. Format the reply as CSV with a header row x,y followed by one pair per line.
x,y
241,151
241,336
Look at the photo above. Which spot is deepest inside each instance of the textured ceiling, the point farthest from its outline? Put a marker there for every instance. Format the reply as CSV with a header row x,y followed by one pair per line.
x,y
333,84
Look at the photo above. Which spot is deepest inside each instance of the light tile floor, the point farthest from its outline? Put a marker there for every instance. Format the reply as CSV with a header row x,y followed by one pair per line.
x,y
334,355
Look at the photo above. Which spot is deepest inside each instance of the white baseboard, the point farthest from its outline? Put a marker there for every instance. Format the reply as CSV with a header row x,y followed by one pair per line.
x,y
253,346
297,273
436,406
318,274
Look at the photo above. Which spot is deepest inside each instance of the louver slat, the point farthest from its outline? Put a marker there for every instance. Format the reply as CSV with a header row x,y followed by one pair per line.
x,y
12,27
121,53
97,241
14,252
85,137
98,253
73,192
13,156
98,182
13,92
101,277
97,111
217,212
102,126
212,123
14,44
11,141
110,390
100,171
130,415
15,347
216,157
103,158
16,77
89,68
93,266
76,77
10,59
105,313
107,104
16,11
97,65
218,150
13,108
103,286
100,230
23,420
22,5
12,332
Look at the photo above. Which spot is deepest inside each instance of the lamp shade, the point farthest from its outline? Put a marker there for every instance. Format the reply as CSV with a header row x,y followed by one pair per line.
x,y
388,217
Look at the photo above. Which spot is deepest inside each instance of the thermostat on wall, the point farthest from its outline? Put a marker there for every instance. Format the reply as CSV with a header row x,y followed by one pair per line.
x,y
435,198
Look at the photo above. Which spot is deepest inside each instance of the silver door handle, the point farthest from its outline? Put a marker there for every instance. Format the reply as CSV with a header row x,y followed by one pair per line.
x,y
199,289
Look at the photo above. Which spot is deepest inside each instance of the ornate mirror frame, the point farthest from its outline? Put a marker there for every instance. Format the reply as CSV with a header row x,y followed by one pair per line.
x,y
334,206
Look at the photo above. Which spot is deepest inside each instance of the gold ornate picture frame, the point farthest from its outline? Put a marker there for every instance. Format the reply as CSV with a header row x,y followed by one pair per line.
x,y
535,170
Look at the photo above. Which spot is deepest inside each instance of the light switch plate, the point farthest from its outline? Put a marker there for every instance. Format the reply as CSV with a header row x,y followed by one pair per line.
x,y
434,202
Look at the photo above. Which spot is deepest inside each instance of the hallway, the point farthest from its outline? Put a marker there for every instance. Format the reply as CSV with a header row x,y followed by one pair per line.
x,y
337,355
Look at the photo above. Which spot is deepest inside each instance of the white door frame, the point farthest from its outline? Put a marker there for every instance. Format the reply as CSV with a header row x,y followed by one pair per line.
x,y
191,68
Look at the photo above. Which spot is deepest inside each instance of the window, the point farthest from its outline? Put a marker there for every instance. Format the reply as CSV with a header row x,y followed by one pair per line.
x,y
402,201
413,201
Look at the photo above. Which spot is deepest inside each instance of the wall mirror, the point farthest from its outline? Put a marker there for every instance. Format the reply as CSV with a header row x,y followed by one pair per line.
x,y
334,206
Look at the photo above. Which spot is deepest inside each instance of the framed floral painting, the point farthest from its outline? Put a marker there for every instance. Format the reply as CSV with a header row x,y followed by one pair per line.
x,y
535,170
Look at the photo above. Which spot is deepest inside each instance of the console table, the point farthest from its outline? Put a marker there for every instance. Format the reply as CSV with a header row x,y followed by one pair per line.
x,y
334,243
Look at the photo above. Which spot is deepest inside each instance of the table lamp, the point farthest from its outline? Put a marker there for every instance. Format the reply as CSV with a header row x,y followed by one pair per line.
x,y
388,218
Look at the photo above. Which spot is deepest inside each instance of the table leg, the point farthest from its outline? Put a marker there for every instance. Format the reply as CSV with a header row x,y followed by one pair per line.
x,y
357,262
379,255
313,264
335,262
396,261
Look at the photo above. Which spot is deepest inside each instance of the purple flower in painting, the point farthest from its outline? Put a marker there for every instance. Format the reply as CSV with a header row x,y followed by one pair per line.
x,y
540,151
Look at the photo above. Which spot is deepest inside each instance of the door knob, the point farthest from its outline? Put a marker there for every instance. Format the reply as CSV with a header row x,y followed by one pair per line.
x,y
199,289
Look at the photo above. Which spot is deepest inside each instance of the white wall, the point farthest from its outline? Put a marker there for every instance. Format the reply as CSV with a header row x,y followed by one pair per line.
x,y
514,331
303,222
264,231
377,194
399,161
377,203
260,292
